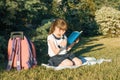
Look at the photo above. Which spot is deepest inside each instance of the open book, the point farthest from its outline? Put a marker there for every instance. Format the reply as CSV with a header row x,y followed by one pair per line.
x,y
73,36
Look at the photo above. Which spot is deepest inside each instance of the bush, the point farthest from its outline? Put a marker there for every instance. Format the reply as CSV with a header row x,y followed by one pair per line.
x,y
40,40
2,48
108,20
42,31
80,16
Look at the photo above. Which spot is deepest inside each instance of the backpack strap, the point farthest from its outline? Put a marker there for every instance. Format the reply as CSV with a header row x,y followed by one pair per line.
x,y
18,51
32,58
12,54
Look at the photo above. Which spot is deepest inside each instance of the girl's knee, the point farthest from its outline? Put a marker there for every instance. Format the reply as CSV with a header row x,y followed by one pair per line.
x,y
70,63
66,63
77,61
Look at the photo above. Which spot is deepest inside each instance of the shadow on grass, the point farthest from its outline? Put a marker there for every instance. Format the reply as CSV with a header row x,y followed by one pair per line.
x,y
88,49
87,45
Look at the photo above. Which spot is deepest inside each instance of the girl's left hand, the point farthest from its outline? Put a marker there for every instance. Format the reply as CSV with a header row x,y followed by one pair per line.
x,y
77,40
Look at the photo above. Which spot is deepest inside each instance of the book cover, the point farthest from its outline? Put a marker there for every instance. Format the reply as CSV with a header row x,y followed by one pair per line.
x,y
73,36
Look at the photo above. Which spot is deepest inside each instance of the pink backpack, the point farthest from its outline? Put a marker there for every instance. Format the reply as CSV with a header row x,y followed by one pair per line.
x,y
21,52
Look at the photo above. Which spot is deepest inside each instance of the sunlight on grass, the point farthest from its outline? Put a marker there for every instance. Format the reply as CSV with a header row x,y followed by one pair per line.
x,y
98,47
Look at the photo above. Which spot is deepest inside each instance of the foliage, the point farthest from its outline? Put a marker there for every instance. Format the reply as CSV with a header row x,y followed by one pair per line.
x,y
42,31
40,40
56,9
20,13
7,11
109,20
80,16
110,3
3,48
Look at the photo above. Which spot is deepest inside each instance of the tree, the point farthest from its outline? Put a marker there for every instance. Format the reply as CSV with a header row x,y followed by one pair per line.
x,y
80,16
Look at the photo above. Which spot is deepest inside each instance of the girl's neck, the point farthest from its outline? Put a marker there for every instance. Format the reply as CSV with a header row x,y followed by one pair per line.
x,y
57,35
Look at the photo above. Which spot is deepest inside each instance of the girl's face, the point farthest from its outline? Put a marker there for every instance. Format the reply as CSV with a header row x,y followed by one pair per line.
x,y
59,31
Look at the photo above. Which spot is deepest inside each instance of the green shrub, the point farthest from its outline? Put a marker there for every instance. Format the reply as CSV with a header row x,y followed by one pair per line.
x,y
80,16
40,40
2,48
42,31
108,20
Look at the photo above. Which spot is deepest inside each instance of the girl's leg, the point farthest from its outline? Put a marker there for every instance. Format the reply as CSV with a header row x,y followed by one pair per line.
x,y
77,61
66,62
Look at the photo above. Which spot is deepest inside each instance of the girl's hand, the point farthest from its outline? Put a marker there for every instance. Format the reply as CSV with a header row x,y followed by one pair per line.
x,y
77,40
70,46
63,43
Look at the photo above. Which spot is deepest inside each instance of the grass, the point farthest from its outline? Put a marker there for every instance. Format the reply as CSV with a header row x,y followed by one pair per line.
x,y
98,47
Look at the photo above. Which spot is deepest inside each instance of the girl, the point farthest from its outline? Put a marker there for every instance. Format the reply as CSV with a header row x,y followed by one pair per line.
x,y
57,46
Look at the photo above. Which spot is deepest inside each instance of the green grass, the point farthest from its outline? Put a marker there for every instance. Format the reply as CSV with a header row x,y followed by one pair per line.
x,y
98,47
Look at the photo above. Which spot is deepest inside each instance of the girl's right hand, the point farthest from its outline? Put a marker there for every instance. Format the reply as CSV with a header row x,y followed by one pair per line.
x,y
63,43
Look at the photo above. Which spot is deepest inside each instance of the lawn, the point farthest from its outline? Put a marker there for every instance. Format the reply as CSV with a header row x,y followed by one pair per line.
x,y
98,47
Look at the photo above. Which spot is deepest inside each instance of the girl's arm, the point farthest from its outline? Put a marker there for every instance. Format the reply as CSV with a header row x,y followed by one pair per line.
x,y
54,48
61,46
70,46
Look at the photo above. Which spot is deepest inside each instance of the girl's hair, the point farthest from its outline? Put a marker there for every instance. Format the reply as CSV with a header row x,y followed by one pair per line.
x,y
60,23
